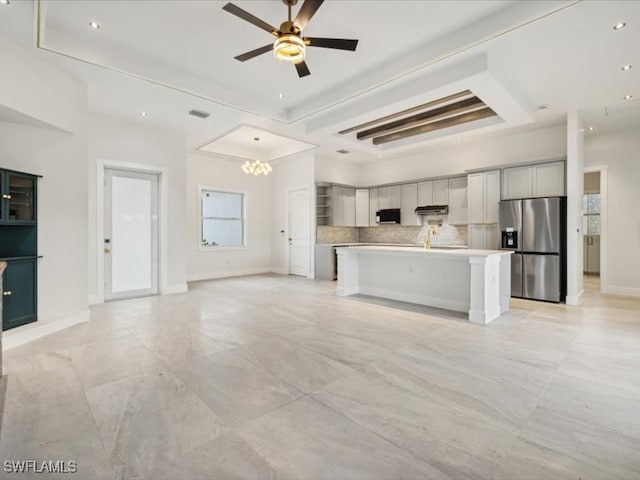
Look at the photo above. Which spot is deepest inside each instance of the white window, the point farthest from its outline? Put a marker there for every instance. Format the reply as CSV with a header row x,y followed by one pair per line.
x,y
222,219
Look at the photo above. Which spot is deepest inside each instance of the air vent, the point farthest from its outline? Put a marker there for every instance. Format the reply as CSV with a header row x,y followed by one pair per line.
x,y
199,113
456,109
342,151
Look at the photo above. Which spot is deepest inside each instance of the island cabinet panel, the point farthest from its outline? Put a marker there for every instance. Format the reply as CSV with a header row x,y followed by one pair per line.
x,y
409,195
458,210
373,207
362,207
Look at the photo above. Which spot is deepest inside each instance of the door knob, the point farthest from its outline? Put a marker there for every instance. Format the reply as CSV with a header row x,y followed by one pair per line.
x,y
107,250
290,239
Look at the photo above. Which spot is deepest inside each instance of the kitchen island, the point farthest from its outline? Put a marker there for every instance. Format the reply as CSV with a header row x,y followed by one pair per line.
x,y
477,282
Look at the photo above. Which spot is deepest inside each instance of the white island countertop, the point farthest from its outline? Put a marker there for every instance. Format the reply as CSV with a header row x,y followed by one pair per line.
x,y
477,282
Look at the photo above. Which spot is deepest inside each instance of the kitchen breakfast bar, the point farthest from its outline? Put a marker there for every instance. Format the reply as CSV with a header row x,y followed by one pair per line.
x,y
477,282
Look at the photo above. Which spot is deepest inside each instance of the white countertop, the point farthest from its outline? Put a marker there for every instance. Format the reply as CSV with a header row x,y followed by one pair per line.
x,y
418,250
372,244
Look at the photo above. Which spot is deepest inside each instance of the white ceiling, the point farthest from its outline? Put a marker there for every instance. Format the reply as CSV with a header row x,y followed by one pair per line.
x,y
167,57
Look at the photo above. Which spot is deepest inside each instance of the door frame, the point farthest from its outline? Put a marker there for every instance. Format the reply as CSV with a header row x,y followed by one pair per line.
x,y
604,213
162,172
311,227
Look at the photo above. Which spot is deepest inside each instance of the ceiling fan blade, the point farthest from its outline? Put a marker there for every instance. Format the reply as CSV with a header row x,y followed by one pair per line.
x,y
307,11
302,69
337,43
244,15
254,53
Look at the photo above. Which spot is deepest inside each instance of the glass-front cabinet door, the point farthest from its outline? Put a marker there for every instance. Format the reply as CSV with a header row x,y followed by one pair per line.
x,y
20,198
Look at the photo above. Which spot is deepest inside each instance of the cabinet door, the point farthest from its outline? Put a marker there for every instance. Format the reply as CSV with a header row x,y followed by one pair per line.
x,y
517,183
476,237
548,180
441,192
349,207
373,206
3,201
362,207
458,201
396,196
491,237
384,198
475,185
19,299
425,194
336,206
409,200
20,196
491,196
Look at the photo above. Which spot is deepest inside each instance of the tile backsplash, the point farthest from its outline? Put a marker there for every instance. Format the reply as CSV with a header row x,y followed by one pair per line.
x,y
446,234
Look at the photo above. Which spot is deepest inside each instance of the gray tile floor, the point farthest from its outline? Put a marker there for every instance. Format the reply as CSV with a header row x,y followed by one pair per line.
x,y
273,377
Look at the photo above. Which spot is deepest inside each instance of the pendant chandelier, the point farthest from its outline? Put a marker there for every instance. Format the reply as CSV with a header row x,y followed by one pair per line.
x,y
256,168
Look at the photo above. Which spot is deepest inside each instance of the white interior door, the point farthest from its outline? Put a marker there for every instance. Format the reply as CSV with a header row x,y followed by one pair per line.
x,y
130,234
298,232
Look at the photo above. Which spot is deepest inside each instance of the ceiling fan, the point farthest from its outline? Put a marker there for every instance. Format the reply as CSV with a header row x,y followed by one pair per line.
x,y
289,45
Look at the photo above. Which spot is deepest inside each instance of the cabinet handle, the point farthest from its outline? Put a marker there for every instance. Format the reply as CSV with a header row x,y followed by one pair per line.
x,y
7,294
8,197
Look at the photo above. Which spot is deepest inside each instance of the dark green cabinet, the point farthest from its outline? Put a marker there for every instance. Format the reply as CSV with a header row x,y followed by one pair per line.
x,y
19,295
19,247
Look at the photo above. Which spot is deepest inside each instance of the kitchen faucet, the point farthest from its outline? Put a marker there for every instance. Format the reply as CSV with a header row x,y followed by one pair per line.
x,y
427,238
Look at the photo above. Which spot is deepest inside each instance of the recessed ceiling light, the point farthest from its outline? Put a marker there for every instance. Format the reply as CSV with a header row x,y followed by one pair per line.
x,y
94,25
591,129
459,139
143,114
281,95
5,2
619,26
379,155
626,67
342,151
542,107
627,97
256,139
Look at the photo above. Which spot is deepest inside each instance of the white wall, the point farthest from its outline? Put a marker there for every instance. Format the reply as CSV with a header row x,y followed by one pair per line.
x,y
620,152
548,143
122,141
62,212
287,174
336,170
218,172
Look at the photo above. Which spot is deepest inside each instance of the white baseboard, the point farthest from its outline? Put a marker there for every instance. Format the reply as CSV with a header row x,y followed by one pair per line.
x,y
228,274
33,331
279,271
575,299
624,291
175,289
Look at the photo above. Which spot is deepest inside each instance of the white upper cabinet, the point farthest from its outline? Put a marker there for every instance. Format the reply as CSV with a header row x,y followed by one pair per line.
x,y
541,180
517,183
349,207
458,201
441,192
389,197
425,194
548,180
336,206
362,207
409,202
373,206
483,196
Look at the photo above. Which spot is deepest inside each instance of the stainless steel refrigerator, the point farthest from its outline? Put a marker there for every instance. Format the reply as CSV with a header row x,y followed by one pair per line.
x,y
535,229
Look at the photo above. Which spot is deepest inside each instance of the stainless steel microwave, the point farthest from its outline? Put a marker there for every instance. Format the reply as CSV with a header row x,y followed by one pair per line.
x,y
388,215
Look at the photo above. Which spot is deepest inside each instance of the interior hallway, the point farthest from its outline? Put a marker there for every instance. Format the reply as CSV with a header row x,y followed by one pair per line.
x,y
276,377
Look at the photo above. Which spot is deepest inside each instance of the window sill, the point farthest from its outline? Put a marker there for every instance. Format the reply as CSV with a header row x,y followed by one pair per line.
x,y
213,248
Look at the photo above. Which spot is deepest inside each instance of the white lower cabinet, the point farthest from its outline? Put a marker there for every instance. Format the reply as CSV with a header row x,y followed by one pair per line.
x,y
483,237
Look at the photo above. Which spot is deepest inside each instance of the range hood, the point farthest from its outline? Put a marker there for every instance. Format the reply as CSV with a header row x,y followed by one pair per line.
x,y
433,210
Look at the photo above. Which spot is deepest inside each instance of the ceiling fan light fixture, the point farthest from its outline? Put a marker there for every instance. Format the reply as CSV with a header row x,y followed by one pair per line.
x,y
289,48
